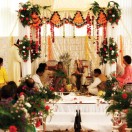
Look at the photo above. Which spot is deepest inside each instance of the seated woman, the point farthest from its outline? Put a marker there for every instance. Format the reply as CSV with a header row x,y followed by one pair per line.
x,y
127,76
59,75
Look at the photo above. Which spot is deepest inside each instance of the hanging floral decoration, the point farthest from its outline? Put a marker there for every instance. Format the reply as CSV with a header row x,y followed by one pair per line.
x,y
29,14
88,19
24,48
24,13
113,51
78,19
56,20
113,12
104,52
35,51
102,19
25,45
109,52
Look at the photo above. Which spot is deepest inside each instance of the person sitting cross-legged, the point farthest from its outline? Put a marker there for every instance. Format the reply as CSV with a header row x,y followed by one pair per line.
x,y
98,83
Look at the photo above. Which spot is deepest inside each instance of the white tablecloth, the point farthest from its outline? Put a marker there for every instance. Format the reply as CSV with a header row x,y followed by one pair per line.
x,y
93,114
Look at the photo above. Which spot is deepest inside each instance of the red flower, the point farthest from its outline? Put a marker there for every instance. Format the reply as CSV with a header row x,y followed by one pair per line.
x,y
47,107
24,8
25,60
62,89
28,48
38,123
116,54
110,20
21,93
117,20
110,48
124,95
12,129
51,88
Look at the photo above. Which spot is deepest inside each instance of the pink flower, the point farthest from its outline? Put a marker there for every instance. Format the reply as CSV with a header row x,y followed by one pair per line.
x,y
47,107
24,87
22,19
27,18
104,49
75,98
21,93
12,129
111,48
124,95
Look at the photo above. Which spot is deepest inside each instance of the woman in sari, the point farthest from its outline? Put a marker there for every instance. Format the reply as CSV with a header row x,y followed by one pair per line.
x,y
127,76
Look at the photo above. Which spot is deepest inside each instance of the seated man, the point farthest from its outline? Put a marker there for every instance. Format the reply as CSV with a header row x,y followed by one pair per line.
x,y
98,82
36,77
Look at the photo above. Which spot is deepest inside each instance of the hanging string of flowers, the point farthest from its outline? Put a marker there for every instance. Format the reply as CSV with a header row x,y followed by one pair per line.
x,y
109,52
88,25
35,51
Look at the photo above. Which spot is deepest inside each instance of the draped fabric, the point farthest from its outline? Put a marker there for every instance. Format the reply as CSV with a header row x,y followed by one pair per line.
x,y
10,26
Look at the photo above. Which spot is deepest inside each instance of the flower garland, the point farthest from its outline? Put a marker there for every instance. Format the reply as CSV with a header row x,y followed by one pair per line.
x,y
29,15
108,53
35,53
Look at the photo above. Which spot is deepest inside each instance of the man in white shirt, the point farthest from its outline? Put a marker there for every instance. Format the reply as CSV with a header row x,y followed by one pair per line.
x,y
99,78
36,77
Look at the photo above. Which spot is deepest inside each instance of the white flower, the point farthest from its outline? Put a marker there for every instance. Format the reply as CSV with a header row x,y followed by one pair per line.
x,y
23,51
113,15
27,104
24,47
22,15
111,3
113,43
